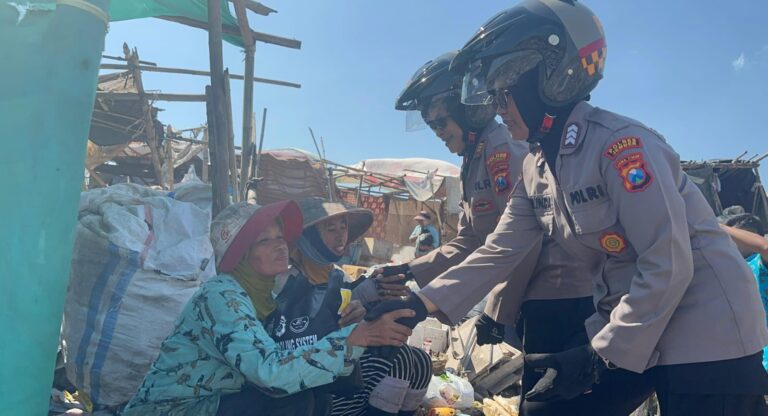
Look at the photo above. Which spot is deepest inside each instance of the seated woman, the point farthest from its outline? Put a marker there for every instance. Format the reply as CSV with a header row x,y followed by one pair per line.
x,y
220,361
392,384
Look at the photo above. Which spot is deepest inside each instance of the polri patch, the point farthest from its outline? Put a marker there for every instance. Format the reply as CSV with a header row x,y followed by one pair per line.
x,y
497,162
622,144
501,182
482,205
613,243
633,171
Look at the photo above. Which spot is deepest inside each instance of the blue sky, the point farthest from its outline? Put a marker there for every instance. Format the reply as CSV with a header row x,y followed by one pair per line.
x,y
695,71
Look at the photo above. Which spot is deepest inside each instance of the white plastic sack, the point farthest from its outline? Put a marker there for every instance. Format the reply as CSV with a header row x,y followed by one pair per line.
x,y
139,256
448,390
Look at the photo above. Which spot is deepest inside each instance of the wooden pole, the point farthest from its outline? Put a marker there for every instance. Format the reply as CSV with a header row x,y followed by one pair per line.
x,y
233,182
261,142
107,77
206,149
217,117
248,138
146,109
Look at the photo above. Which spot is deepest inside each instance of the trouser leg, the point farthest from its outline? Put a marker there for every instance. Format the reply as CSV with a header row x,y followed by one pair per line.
x,y
251,402
717,388
557,325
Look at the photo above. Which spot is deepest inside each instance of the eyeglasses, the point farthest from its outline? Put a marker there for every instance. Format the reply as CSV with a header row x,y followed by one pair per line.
x,y
438,123
500,96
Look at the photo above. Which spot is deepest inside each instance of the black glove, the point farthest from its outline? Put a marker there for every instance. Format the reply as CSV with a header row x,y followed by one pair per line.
x,y
404,269
411,302
568,374
489,331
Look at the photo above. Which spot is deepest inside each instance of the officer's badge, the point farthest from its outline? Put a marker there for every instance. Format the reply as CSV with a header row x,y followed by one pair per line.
x,y
633,171
613,243
482,205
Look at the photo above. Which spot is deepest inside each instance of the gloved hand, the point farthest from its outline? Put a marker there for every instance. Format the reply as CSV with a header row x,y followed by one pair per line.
x,y
403,269
489,331
568,374
411,302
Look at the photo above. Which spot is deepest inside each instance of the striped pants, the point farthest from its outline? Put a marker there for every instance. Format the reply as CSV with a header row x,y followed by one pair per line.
x,y
409,371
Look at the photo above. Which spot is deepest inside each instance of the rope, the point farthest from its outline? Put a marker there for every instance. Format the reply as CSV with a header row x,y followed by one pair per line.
x,y
87,7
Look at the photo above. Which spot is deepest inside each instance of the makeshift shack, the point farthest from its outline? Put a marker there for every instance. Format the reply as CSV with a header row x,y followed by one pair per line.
x,y
725,183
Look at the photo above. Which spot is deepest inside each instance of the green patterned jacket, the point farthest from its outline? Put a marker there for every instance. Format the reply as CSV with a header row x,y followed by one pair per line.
x,y
218,345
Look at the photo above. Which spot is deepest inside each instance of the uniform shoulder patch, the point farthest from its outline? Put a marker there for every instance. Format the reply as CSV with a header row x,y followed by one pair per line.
x,y
498,160
613,243
501,181
633,171
619,145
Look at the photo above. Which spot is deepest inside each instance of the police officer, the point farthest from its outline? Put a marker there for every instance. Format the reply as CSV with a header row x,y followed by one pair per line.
x,y
675,301
559,296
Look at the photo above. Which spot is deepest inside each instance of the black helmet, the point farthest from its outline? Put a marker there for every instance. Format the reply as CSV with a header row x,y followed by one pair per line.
x,y
562,39
434,83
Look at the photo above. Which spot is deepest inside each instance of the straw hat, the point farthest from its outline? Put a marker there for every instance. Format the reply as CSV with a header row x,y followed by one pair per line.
x,y
316,210
238,225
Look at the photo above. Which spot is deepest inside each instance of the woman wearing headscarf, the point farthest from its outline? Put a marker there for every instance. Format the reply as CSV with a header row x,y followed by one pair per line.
x,y
219,360
391,384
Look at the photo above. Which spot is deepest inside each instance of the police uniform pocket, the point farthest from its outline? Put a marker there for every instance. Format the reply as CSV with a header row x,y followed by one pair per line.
x,y
594,218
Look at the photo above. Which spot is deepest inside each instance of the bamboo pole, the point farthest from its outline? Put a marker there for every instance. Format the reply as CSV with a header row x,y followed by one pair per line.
x,y
206,149
233,180
183,71
217,117
149,127
261,142
248,138
231,30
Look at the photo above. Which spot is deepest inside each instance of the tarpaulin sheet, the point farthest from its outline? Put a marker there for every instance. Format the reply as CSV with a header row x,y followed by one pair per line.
x,y
193,9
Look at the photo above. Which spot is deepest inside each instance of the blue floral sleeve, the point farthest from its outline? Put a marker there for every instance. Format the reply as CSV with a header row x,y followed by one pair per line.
x,y
226,317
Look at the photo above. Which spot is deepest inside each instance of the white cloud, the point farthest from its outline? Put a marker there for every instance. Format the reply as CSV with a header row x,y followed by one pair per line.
x,y
739,63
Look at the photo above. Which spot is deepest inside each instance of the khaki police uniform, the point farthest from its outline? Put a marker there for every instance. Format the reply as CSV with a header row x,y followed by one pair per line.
x,y
485,188
670,286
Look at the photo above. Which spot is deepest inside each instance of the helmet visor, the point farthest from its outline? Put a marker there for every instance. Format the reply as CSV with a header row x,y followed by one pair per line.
x,y
485,78
414,121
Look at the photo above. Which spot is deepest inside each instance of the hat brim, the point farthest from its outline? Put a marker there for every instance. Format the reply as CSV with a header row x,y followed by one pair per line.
x,y
359,220
421,217
292,222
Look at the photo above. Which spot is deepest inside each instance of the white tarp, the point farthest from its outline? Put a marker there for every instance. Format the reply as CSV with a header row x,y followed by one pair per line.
x,y
414,172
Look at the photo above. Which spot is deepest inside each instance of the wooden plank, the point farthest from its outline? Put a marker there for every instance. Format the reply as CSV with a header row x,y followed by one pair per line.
x,y
257,7
217,118
235,31
248,137
154,96
184,71
149,125
233,181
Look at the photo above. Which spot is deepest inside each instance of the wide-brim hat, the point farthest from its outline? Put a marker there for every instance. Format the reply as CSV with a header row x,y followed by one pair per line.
x,y
315,210
238,225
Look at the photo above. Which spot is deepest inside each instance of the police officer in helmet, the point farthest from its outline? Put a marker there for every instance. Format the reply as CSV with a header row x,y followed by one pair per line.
x,y
674,301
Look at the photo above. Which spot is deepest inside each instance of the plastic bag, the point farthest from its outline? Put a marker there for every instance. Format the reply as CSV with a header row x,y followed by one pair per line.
x,y
448,390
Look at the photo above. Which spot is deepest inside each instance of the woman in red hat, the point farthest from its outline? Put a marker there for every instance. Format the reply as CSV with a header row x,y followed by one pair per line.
x,y
220,360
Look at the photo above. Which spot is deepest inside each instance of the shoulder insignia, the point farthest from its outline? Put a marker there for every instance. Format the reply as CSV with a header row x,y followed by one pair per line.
x,y
619,145
633,171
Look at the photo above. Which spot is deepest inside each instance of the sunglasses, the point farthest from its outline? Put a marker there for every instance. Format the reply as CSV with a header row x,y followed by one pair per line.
x,y
438,123
500,96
